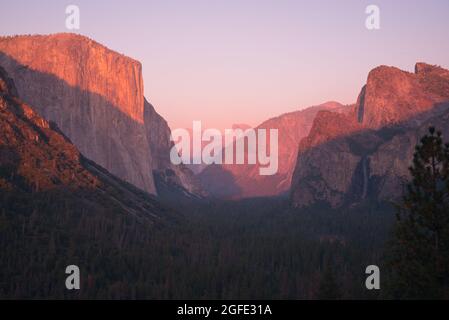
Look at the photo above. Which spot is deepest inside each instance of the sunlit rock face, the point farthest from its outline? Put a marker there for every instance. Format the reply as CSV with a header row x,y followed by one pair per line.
x,y
366,152
34,156
39,164
392,95
96,97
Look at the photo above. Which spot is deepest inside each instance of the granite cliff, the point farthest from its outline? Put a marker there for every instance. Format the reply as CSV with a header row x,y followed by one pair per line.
x,y
366,152
37,160
96,97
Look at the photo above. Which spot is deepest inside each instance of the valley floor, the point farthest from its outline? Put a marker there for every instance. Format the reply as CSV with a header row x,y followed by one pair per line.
x,y
262,248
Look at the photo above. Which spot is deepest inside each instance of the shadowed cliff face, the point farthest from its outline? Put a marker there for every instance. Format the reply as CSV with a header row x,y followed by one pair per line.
x,y
33,156
95,95
36,158
366,152
172,181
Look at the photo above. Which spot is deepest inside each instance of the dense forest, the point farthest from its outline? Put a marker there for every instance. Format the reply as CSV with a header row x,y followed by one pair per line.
x,y
255,248
58,208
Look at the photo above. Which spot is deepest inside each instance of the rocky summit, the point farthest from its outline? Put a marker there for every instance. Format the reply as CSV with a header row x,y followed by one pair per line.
x,y
365,153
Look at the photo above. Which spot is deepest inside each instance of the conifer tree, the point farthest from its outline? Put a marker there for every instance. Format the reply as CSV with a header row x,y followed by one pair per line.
x,y
328,289
420,248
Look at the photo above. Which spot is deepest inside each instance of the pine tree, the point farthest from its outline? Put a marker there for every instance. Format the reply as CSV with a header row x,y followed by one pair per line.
x,y
420,248
329,289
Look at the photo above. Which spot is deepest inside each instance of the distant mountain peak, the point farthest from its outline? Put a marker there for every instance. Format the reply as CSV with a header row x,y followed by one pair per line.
x,y
240,181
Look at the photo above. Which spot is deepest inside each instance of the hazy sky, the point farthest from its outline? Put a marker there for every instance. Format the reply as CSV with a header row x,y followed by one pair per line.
x,y
226,62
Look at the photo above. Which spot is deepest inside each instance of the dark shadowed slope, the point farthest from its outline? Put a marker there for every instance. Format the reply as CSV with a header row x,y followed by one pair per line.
x,y
58,208
36,157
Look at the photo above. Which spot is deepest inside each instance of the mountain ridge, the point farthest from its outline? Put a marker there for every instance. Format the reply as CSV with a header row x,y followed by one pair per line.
x,y
244,180
367,152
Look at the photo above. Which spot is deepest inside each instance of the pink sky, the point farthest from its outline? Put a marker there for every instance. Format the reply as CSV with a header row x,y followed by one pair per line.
x,y
225,62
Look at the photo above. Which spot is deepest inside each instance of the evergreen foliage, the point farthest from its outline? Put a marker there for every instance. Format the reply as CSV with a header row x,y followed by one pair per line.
x,y
419,255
